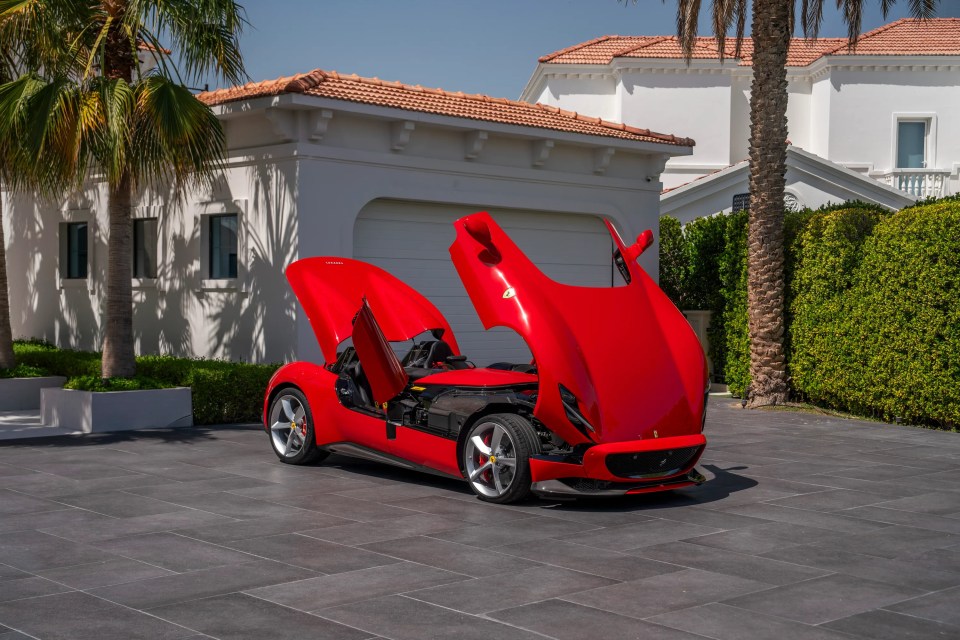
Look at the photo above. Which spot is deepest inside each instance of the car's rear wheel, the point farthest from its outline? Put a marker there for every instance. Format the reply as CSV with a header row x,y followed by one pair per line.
x,y
292,429
496,457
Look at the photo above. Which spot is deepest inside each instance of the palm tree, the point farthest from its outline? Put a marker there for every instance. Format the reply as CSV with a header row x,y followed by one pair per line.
x,y
773,23
96,115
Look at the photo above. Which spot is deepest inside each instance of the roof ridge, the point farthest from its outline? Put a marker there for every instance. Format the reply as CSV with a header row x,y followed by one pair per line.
x,y
653,40
820,46
864,36
581,45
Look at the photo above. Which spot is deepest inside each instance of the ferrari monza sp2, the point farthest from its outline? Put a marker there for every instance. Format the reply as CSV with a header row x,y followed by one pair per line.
x,y
613,402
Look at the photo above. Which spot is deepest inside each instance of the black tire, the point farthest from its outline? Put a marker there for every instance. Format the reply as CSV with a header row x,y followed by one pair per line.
x,y
486,468
291,429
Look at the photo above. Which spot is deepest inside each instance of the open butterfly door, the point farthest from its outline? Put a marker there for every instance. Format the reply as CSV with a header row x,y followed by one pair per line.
x,y
380,364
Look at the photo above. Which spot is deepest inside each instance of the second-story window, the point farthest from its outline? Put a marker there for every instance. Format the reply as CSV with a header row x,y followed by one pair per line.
x,y
145,248
223,246
911,144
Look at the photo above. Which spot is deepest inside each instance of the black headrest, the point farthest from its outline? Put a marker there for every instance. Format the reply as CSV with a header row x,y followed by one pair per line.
x,y
439,351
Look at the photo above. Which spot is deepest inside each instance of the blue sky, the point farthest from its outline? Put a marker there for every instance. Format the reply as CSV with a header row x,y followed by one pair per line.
x,y
478,46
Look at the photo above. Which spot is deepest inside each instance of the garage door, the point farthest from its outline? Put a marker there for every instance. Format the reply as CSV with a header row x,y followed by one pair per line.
x,y
411,240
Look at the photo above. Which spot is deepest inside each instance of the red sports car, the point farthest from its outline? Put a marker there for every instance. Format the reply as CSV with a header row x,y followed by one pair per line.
x,y
613,402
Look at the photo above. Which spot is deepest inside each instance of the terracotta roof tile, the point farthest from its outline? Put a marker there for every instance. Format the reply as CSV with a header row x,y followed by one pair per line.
x,y
353,88
939,36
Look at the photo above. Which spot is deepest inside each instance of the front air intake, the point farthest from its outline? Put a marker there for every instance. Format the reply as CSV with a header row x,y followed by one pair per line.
x,y
650,464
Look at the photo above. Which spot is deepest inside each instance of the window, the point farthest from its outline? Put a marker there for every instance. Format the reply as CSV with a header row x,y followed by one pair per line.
x,y
145,248
741,202
223,246
911,144
76,258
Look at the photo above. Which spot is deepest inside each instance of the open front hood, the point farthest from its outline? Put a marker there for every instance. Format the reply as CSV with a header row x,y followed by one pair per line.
x,y
633,363
331,291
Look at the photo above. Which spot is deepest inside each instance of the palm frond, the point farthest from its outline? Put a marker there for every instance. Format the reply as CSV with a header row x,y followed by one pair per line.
x,y
688,15
206,36
177,136
853,16
724,12
923,9
811,17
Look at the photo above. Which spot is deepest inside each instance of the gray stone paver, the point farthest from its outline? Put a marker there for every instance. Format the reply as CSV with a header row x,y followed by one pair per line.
x,y
809,527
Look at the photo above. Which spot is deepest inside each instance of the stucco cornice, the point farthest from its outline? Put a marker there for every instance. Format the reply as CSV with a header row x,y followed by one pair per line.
x,y
294,104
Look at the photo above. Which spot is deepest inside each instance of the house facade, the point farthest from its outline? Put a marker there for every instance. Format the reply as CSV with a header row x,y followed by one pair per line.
x,y
326,164
885,109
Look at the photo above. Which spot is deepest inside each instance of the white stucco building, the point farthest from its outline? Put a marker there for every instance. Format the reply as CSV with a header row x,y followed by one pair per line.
x,y
324,164
886,111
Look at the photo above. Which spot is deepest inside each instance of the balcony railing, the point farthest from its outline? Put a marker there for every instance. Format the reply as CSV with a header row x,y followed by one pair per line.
x,y
920,183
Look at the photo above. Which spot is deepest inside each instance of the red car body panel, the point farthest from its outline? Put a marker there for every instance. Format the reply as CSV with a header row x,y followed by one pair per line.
x,y
384,371
339,423
331,290
479,378
626,353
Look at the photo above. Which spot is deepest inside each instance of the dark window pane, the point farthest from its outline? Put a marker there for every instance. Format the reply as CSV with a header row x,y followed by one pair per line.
x,y
145,248
223,246
910,144
77,250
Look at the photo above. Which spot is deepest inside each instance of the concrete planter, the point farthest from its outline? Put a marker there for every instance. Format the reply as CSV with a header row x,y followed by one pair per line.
x,y
23,394
92,412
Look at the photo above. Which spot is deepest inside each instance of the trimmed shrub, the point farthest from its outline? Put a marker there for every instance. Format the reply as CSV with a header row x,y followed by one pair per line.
x,y
705,238
223,392
96,383
734,287
52,361
830,252
227,394
893,342
674,260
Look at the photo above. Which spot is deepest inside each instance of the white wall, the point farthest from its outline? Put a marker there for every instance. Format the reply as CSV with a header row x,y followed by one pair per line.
x,y
179,313
593,96
842,108
864,104
298,198
685,104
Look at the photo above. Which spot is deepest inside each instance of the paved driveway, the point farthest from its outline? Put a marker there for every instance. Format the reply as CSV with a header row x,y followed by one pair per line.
x,y
808,528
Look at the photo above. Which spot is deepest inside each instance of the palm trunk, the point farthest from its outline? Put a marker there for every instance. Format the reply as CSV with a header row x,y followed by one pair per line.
x,y
768,154
7,358
119,359
118,354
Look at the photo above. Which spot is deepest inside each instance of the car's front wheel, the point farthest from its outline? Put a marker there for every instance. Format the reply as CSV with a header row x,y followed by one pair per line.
x,y
496,457
292,429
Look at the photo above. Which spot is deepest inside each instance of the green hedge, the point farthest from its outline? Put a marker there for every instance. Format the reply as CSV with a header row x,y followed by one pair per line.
x,y
690,263
872,305
831,250
733,288
887,338
223,392
733,285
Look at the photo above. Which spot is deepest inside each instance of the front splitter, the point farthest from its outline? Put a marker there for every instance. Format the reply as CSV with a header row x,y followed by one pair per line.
x,y
560,489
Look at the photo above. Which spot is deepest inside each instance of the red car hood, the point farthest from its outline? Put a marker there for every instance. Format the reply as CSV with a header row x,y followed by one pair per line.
x,y
626,353
331,291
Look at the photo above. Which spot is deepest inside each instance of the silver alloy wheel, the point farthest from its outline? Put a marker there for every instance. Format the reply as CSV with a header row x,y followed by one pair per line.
x,y
289,426
491,457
